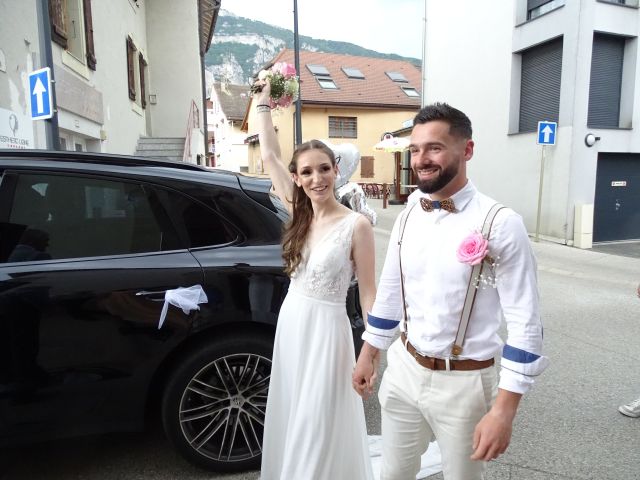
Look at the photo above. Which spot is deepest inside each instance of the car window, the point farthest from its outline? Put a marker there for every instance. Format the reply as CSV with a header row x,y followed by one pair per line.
x,y
58,216
203,226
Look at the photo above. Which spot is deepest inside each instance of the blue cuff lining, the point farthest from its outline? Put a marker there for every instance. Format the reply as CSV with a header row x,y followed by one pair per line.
x,y
516,355
382,323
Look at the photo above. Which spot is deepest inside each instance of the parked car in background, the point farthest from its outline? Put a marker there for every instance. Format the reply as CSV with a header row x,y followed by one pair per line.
x,y
89,244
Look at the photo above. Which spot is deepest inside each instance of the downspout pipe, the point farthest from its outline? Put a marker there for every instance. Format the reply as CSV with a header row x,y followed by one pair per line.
x,y
46,58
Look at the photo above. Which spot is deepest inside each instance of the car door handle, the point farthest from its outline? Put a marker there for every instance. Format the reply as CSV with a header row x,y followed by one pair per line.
x,y
157,296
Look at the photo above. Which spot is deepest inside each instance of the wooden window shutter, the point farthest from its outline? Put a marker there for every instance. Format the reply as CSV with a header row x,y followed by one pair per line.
x,y
56,17
366,167
88,34
131,50
143,94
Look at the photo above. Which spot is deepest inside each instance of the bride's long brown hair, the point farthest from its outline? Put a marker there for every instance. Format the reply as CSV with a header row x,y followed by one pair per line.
x,y
296,230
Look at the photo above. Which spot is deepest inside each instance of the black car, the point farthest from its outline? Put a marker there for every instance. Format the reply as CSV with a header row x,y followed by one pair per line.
x,y
89,246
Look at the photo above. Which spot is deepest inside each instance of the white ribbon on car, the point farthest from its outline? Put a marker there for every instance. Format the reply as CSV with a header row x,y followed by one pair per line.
x,y
186,298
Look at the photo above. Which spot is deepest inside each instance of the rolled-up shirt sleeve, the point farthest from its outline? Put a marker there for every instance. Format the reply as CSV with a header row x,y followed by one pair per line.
x,y
384,319
516,281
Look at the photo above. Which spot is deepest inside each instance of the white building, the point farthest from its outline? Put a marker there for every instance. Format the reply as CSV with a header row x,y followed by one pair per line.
x,y
510,64
124,70
228,108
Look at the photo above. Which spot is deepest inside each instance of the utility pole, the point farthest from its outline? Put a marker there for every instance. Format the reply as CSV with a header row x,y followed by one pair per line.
x,y
46,60
296,56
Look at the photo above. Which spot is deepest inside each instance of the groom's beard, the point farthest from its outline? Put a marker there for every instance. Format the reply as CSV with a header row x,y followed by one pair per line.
x,y
441,181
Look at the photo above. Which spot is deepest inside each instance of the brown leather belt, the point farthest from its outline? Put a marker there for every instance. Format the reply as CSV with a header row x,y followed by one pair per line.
x,y
433,363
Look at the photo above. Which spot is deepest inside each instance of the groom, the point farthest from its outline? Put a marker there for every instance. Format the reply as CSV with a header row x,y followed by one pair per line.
x,y
441,380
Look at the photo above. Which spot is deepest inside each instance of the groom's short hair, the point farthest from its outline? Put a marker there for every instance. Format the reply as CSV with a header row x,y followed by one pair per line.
x,y
459,123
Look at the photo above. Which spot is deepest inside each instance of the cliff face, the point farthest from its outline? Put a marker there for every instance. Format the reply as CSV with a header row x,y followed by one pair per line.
x,y
240,47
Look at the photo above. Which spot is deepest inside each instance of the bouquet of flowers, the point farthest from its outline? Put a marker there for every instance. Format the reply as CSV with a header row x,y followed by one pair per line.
x,y
284,84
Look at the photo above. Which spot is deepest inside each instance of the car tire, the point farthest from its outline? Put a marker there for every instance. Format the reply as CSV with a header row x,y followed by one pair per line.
x,y
214,403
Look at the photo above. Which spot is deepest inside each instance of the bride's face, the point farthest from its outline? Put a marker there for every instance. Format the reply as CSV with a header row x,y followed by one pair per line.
x,y
316,175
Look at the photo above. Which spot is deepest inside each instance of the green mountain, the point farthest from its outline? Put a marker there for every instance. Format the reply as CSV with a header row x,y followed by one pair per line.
x,y
241,46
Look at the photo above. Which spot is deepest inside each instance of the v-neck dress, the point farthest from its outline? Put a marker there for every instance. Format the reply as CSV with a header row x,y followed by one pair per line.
x,y
315,427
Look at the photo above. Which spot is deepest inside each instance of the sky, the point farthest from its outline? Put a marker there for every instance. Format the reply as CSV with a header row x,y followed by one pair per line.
x,y
387,26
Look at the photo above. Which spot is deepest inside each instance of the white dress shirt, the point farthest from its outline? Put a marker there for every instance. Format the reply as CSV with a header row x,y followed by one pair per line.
x,y
435,284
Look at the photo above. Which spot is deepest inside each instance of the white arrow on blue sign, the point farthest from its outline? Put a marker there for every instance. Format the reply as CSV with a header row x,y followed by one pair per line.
x,y
547,133
40,94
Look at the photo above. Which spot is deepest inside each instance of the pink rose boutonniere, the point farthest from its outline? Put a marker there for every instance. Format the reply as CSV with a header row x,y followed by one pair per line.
x,y
474,250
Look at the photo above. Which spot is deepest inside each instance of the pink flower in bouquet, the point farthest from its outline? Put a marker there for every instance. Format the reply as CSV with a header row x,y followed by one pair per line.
x,y
284,84
473,249
287,70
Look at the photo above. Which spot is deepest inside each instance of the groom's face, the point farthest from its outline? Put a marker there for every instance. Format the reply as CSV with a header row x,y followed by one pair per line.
x,y
439,159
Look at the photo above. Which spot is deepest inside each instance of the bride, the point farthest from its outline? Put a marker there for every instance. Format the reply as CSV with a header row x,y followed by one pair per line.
x,y
315,427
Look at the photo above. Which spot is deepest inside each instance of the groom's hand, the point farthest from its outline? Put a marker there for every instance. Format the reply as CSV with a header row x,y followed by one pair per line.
x,y
493,433
365,373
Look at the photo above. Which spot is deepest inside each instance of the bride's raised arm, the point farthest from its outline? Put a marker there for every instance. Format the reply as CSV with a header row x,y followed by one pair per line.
x,y
270,148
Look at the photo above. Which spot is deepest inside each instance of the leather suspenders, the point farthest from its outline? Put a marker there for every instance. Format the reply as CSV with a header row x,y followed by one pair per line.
x,y
472,287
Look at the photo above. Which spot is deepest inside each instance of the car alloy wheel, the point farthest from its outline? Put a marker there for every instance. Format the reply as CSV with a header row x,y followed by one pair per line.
x,y
223,406
214,403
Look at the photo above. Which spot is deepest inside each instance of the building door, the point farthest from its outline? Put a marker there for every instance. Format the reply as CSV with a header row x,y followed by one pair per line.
x,y
616,214
405,181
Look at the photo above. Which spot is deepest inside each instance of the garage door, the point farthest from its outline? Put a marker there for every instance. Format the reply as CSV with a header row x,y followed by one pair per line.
x,y
616,210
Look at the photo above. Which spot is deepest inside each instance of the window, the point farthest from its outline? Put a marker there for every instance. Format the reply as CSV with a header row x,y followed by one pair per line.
x,y
72,29
318,70
353,72
343,127
327,83
323,76
131,70
535,8
203,226
56,217
142,65
397,77
540,85
410,91
136,74
366,167
606,81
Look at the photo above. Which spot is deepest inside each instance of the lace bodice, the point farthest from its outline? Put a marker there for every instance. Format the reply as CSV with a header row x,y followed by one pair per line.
x,y
325,272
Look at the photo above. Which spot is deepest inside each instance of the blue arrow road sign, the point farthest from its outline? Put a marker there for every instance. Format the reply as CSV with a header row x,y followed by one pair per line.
x,y
547,133
40,94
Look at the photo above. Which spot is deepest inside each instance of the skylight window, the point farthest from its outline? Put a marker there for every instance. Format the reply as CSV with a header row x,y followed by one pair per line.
x,y
318,70
410,91
397,77
352,72
327,83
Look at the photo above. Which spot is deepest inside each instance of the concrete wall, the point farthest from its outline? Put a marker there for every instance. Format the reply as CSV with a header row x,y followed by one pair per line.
x,y
476,67
174,64
19,55
124,120
94,108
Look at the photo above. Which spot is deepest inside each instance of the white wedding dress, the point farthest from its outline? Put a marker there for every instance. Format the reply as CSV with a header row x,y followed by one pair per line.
x,y
315,427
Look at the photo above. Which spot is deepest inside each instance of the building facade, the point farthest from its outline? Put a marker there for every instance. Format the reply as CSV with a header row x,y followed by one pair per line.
x,y
509,65
346,99
124,70
228,109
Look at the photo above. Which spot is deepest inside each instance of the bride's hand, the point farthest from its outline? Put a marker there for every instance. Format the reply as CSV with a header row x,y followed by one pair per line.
x,y
261,91
365,373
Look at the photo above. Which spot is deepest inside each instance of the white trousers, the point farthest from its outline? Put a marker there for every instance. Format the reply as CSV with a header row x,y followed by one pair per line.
x,y
419,404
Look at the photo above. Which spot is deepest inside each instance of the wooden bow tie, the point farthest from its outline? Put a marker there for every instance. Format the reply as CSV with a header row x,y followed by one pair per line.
x,y
429,205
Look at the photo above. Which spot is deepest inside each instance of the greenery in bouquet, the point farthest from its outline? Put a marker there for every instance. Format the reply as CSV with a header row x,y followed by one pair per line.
x,y
284,84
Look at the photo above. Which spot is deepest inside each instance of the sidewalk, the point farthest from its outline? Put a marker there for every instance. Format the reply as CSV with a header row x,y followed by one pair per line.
x,y
568,426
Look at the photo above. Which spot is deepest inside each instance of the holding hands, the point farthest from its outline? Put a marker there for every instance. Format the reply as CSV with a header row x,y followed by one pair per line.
x,y
365,373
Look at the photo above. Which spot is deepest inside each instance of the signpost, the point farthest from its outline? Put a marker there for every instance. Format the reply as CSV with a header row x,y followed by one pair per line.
x,y
40,94
546,136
